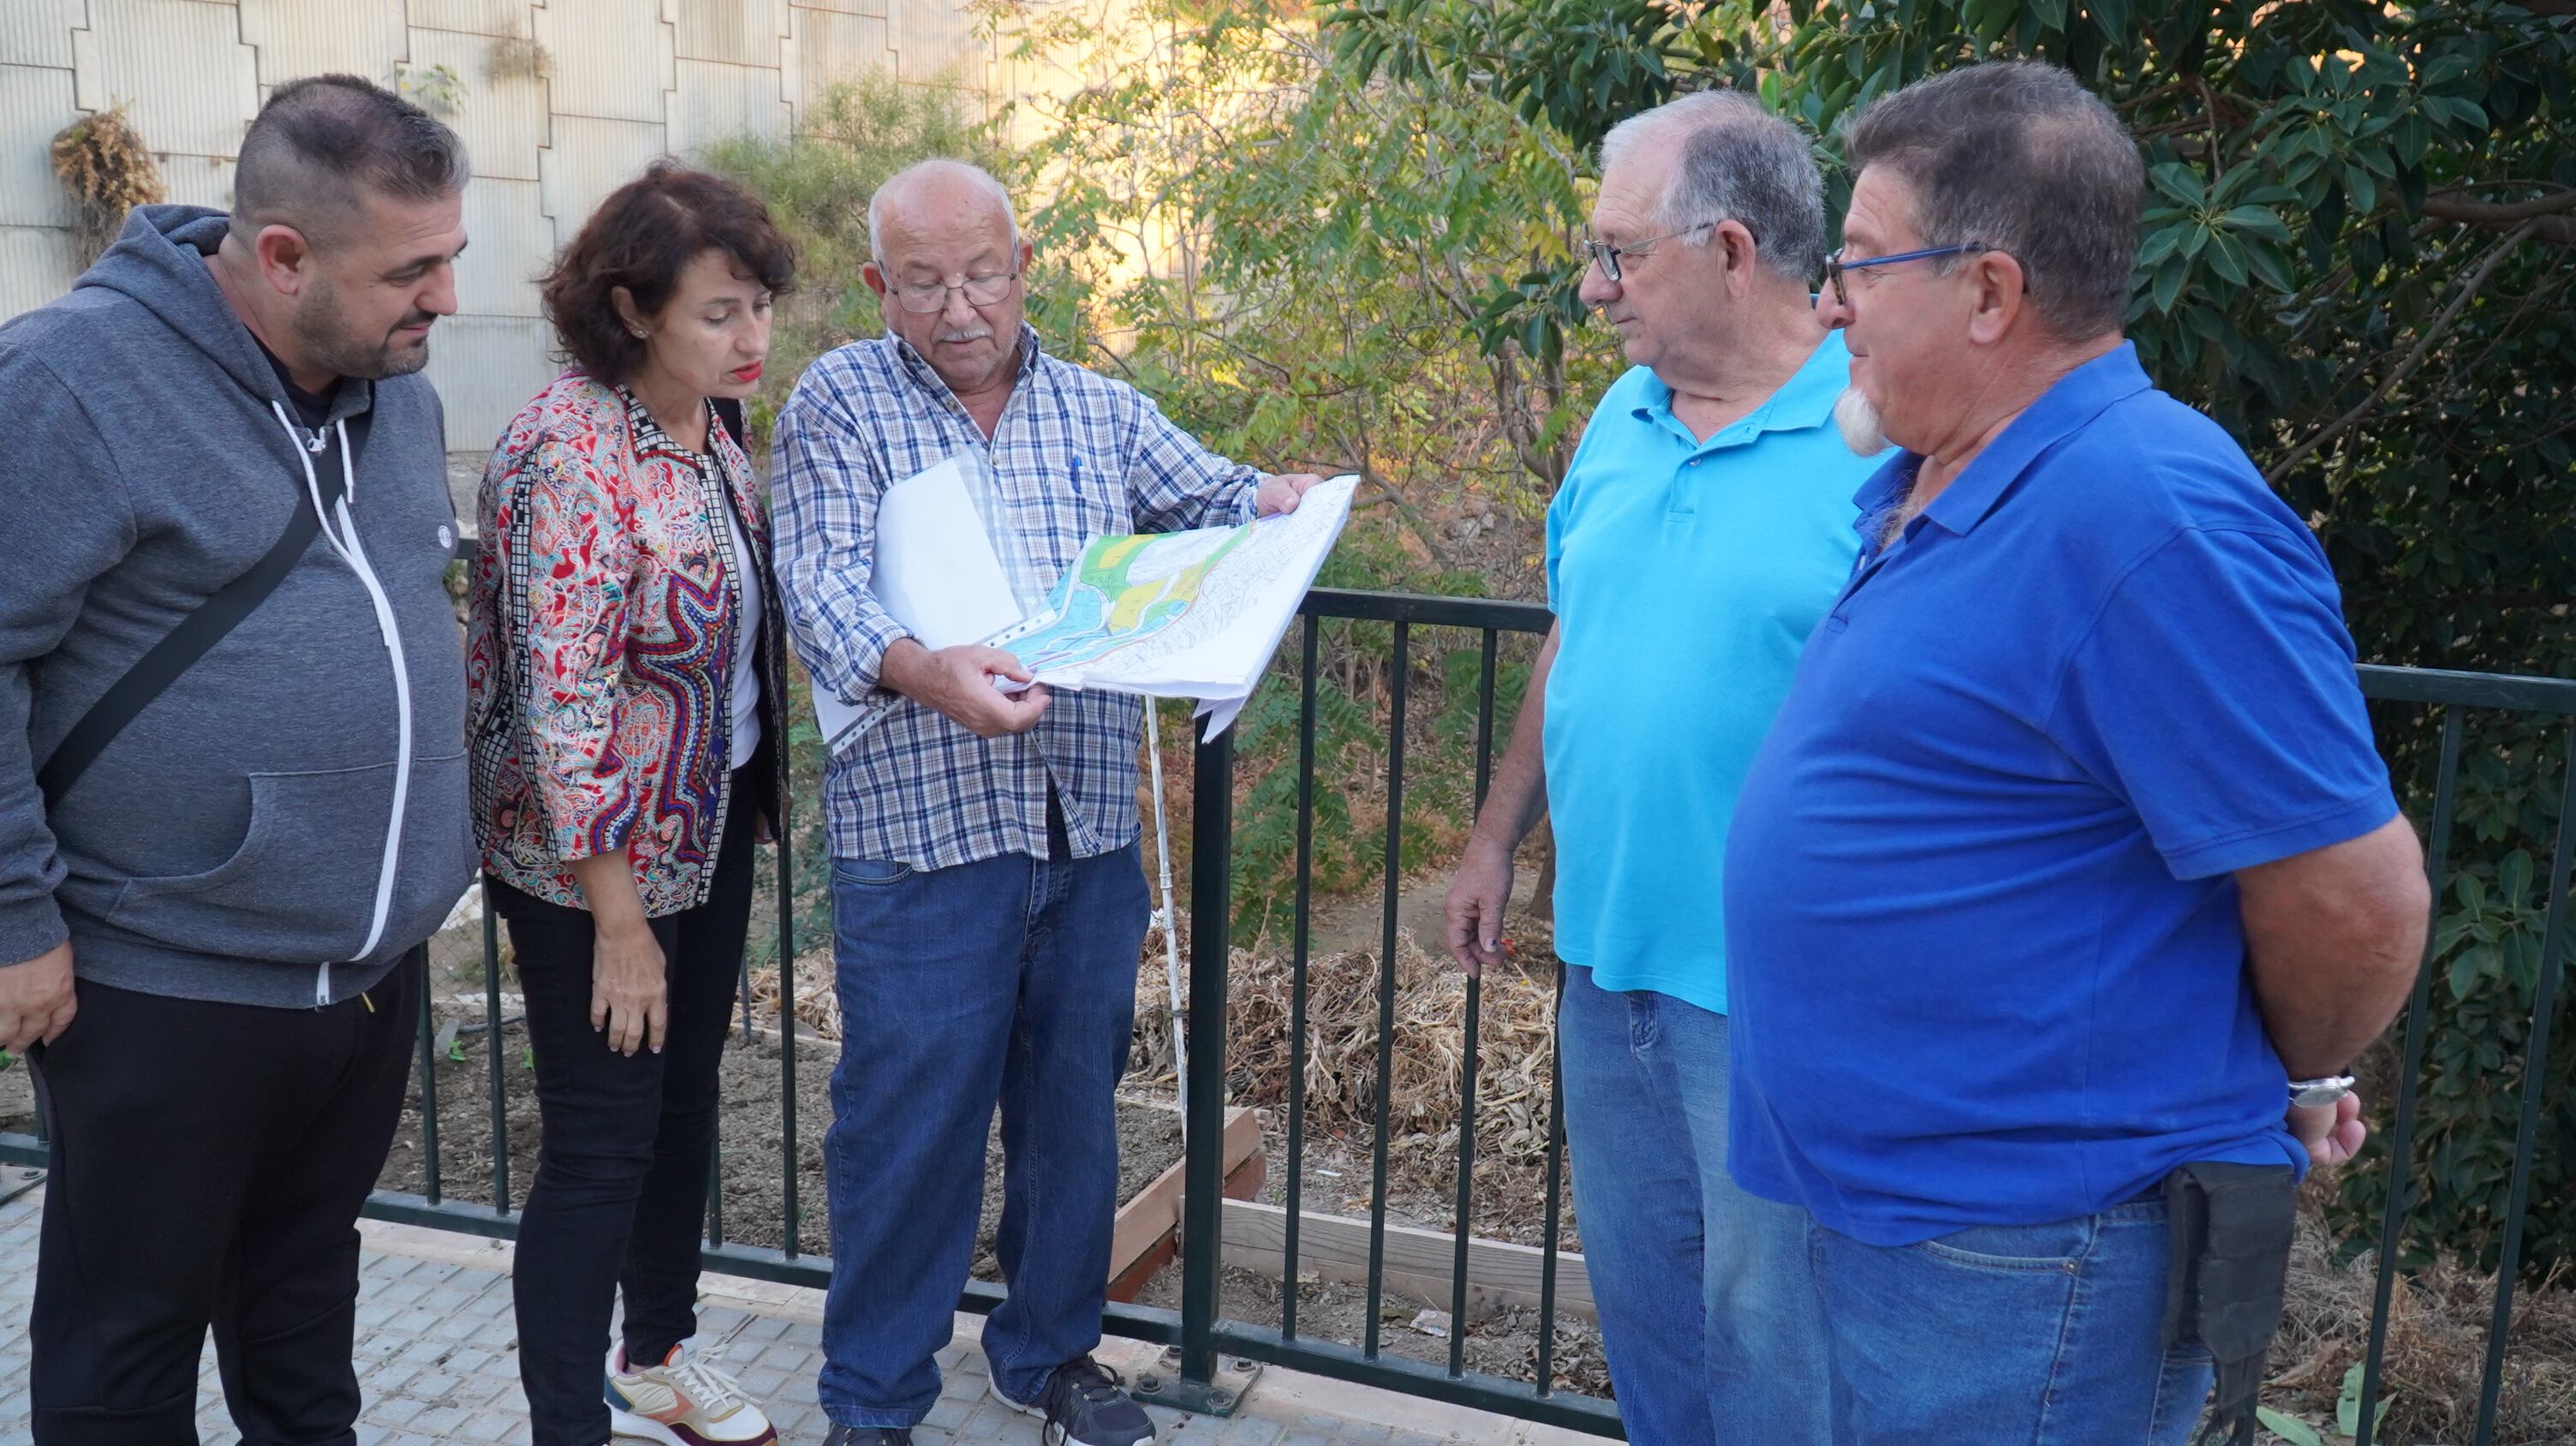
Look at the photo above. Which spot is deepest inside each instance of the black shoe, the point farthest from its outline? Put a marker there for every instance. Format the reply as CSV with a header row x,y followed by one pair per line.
x,y
841,1435
1086,1404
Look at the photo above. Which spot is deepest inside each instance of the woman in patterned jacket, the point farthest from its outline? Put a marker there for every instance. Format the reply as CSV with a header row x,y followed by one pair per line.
x,y
625,715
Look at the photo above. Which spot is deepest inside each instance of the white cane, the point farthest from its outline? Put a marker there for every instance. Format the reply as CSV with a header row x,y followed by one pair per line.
x,y
1165,917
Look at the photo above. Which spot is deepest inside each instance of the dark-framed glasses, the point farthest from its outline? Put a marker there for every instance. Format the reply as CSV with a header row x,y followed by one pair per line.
x,y
924,297
1835,265
1606,256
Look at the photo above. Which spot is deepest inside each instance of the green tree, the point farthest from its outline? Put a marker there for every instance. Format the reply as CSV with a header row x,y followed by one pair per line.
x,y
2359,255
1311,270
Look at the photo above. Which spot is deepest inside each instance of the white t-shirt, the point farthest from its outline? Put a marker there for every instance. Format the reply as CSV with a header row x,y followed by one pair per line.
x,y
746,647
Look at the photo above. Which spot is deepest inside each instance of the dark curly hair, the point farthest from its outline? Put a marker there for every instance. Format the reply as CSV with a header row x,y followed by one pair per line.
x,y
642,237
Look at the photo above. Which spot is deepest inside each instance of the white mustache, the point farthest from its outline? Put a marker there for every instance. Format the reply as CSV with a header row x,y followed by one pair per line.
x,y
972,333
1859,423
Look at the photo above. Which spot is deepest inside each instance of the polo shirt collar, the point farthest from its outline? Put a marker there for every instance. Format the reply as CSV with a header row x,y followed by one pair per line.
x,y
1805,400
2061,411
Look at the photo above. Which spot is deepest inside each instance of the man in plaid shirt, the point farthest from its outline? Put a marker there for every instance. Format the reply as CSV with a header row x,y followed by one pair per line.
x,y
988,900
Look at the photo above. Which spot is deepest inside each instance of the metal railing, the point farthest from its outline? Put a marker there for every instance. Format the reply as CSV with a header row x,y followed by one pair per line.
x,y
1202,1334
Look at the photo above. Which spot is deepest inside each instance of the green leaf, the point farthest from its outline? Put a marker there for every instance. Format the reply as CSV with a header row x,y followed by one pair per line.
x,y
2269,266
2180,182
2168,283
2348,1403
2513,878
2227,259
2261,220
2476,962
2289,1428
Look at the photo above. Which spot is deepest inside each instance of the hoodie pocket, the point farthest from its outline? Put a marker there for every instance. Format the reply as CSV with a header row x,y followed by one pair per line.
x,y
302,886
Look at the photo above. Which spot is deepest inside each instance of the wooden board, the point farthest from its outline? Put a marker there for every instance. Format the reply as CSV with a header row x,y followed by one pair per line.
x,y
1418,1262
1155,1213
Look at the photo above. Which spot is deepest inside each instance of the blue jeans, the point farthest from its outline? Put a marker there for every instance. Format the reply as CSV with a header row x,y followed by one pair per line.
x,y
2038,1335
1013,981
1708,1306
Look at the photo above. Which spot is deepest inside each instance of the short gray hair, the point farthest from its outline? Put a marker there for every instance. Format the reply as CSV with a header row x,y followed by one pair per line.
x,y
2018,155
936,168
1737,162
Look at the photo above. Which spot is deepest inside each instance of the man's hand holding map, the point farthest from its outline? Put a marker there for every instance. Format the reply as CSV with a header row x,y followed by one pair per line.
x,y
1173,615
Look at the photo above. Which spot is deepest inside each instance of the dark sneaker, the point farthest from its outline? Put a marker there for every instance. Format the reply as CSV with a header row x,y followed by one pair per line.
x,y
841,1435
1085,1404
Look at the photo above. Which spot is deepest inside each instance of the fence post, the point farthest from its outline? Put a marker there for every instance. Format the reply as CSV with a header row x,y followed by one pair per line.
x,y
1196,1383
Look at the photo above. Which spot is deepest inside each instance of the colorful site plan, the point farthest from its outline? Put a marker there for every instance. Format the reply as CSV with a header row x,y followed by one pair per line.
x,y
1182,614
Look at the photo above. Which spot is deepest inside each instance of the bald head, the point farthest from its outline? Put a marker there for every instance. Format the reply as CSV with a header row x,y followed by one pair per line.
x,y
940,195
949,264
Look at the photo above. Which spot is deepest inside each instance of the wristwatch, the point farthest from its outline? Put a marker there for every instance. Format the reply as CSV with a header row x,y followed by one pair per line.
x,y
2308,1094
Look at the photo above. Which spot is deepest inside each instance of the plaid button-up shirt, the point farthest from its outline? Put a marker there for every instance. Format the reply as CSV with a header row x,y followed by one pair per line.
x,y
1075,456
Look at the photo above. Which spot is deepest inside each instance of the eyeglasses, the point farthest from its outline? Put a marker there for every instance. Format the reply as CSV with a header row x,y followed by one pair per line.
x,y
1835,265
1606,256
924,297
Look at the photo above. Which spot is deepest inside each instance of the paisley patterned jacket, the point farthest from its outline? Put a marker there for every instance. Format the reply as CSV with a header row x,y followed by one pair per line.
x,y
600,645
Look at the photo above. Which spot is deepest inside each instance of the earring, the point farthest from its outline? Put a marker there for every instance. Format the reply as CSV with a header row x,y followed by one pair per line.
x,y
641,332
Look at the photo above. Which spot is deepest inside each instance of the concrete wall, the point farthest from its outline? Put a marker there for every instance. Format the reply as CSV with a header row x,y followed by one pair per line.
x,y
625,81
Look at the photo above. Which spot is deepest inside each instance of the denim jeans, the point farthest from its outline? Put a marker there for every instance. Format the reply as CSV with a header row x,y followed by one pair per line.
x,y
1708,1306
2038,1335
1010,980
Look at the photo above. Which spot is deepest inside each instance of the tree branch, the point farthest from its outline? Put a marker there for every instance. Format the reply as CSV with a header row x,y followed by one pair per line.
x,y
2469,289
2453,205
2547,218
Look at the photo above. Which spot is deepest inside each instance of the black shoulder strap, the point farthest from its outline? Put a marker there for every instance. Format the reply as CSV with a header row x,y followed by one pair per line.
x,y
182,646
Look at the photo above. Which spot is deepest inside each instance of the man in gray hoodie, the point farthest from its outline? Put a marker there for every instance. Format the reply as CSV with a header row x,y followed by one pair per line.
x,y
216,910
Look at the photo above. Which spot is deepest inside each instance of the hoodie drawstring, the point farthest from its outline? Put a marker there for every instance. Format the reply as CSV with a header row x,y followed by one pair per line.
x,y
344,541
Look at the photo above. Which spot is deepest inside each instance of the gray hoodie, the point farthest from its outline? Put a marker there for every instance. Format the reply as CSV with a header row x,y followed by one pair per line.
x,y
259,834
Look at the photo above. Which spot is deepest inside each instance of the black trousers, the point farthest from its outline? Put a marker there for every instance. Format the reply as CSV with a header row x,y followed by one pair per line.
x,y
628,1140
208,1162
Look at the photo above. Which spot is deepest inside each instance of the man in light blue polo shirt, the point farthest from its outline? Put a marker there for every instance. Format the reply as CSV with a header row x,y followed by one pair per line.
x,y
1700,533
2068,876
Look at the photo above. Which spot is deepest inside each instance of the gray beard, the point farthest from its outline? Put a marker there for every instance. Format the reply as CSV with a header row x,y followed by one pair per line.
x,y
1857,420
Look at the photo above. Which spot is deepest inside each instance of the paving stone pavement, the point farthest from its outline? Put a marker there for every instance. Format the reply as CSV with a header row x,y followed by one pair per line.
x,y
439,1364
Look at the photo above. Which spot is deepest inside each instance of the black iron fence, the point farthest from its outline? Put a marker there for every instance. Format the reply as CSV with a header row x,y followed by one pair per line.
x,y
1202,1337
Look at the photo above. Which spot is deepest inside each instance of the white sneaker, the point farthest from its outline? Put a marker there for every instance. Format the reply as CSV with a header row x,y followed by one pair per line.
x,y
682,1402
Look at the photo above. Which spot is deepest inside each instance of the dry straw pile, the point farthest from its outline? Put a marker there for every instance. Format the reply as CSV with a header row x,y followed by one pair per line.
x,y
102,160
1342,1012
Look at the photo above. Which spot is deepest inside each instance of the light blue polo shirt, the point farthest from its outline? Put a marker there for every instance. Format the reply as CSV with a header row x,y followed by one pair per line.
x,y
1989,961
1685,577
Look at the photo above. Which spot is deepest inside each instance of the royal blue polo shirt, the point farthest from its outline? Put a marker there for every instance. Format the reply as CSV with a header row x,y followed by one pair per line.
x,y
1685,575
1984,935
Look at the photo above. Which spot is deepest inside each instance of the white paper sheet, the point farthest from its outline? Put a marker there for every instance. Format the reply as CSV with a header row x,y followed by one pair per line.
x,y
935,569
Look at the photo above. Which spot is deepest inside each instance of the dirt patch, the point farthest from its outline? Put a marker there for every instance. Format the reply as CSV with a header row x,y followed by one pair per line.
x,y
751,1144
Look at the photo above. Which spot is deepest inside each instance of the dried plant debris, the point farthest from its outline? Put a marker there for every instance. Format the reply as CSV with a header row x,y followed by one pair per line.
x,y
103,162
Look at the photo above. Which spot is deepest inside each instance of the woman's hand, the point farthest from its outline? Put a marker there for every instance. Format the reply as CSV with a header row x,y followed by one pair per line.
x,y
629,994
630,991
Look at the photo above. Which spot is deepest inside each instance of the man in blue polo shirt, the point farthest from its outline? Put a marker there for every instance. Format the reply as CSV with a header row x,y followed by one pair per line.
x,y
1700,533
2069,859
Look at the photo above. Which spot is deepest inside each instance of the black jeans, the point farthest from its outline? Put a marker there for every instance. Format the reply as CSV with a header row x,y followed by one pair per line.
x,y
207,1165
628,1140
